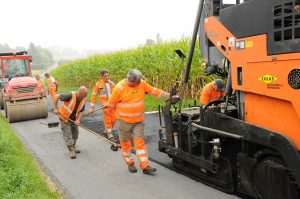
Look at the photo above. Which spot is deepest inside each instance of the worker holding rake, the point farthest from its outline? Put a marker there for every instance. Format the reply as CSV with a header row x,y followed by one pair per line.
x,y
104,88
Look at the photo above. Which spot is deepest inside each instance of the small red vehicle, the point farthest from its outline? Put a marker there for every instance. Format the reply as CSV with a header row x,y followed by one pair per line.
x,y
20,95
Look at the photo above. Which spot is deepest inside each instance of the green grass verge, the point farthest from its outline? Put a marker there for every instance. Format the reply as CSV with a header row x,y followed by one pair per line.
x,y
151,103
20,175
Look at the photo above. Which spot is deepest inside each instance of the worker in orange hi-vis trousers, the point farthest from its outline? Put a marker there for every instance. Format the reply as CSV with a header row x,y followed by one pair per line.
x,y
40,82
52,86
104,88
212,91
127,100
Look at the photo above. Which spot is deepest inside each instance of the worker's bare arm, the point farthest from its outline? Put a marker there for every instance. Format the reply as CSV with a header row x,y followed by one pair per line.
x,y
77,122
56,98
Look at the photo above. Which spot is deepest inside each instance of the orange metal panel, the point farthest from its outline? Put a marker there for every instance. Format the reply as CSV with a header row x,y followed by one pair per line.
x,y
274,114
270,102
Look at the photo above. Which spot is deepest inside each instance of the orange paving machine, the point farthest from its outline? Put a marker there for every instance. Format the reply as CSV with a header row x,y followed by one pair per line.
x,y
249,141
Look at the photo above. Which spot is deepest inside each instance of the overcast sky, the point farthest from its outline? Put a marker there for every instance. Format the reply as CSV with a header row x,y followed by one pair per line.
x,y
94,24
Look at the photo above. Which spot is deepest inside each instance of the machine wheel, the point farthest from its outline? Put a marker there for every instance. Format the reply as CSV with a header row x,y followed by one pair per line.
x,y
271,179
1,102
5,109
26,110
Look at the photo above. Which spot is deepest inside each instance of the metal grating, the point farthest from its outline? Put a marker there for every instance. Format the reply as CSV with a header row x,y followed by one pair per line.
x,y
294,79
24,89
287,21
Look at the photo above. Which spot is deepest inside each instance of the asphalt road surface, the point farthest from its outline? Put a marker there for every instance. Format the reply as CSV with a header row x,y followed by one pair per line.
x,y
152,126
99,172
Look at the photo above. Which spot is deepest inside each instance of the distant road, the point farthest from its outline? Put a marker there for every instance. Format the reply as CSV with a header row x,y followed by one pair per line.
x,y
48,70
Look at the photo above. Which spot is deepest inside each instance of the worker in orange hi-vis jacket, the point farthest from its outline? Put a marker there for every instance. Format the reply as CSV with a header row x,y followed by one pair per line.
x,y
104,88
71,109
52,86
127,100
39,81
212,91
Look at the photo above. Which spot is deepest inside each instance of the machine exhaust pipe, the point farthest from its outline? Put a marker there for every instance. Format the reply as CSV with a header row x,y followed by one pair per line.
x,y
191,52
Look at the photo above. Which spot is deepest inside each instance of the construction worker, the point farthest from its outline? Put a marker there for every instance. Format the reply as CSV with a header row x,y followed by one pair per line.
x,y
71,109
212,91
104,88
40,82
127,100
52,86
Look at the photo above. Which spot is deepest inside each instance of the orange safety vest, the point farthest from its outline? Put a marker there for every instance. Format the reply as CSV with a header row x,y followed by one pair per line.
x,y
51,85
100,88
67,108
40,83
209,93
128,102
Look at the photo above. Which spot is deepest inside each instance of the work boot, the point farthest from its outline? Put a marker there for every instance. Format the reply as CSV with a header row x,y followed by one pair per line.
x,y
149,170
76,150
72,153
132,168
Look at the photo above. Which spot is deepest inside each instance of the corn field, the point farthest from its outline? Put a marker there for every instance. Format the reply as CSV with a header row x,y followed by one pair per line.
x,y
159,63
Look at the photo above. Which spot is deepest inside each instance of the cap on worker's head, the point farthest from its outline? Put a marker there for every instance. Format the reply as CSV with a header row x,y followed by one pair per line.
x,y
220,84
134,74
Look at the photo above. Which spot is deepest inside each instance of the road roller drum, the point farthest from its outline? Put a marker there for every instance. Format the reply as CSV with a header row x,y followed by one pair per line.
x,y
26,109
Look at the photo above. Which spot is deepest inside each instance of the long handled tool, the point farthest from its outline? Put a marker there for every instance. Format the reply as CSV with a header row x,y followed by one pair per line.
x,y
114,146
51,124
55,124
97,109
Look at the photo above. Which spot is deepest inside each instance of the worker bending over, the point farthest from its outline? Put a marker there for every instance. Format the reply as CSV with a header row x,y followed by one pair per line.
x,y
127,100
212,91
104,88
71,109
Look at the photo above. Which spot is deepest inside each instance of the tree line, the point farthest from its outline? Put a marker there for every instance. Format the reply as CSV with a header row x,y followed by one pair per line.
x,y
42,58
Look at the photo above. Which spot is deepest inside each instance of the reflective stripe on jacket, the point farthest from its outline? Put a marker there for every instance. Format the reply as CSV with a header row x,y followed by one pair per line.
x,y
67,108
100,89
51,85
128,102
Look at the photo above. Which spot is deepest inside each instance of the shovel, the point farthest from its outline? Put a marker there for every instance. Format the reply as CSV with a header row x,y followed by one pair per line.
x,y
55,124
51,124
114,146
97,109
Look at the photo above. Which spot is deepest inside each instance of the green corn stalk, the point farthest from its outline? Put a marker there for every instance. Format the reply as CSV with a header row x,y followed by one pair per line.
x,y
159,64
